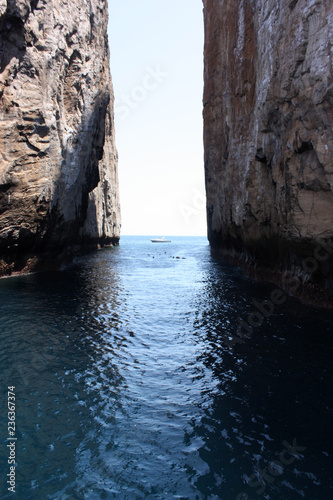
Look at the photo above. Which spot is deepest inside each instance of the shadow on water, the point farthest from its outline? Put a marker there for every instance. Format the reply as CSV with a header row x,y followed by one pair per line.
x,y
127,386
60,331
272,390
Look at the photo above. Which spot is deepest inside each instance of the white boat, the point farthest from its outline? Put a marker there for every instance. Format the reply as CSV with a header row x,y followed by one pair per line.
x,y
160,240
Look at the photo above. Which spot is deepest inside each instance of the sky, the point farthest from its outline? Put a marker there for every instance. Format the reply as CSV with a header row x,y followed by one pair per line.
x,y
156,59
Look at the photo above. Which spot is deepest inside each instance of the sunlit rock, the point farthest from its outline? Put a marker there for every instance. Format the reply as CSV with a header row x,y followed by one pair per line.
x,y
268,137
58,162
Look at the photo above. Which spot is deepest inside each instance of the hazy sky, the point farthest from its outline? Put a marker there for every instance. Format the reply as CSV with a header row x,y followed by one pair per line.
x,y
156,51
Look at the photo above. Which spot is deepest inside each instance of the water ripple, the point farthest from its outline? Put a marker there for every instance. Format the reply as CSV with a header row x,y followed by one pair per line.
x,y
127,387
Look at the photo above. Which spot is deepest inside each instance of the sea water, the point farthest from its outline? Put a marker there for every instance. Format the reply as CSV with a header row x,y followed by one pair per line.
x,y
129,383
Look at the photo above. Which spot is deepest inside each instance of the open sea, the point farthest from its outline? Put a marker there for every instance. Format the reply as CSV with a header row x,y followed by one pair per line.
x,y
129,381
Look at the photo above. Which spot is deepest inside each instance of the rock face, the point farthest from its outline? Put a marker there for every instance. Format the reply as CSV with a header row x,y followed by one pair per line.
x,y
58,162
268,118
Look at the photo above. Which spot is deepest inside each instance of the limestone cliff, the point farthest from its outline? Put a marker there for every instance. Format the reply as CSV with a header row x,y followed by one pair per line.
x,y
268,117
58,162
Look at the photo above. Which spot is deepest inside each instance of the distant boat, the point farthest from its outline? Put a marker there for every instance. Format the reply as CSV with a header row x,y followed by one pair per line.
x,y
160,240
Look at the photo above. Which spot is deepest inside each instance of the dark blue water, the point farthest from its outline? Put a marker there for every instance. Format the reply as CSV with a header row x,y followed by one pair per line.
x,y
128,384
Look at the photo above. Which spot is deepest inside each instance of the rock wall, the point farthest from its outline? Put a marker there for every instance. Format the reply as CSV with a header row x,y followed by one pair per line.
x,y
268,117
58,161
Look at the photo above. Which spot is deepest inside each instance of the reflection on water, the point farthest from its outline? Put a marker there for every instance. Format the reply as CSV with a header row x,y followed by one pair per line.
x,y
272,390
127,388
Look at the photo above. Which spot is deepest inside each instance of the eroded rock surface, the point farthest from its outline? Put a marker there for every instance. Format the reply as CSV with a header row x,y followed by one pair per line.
x,y
268,116
58,161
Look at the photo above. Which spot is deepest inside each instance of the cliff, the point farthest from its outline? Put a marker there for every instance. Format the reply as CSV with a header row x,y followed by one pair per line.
x,y
58,162
268,139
